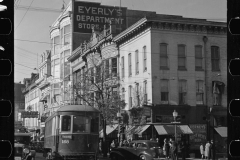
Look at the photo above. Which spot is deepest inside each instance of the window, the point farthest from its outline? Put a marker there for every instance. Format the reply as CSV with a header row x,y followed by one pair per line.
x,y
137,95
66,63
182,90
163,56
130,96
198,57
145,91
144,59
164,91
199,92
215,57
181,57
56,92
65,35
94,124
81,124
114,67
123,73
218,89
107,68
56,45
98,74
129,65
123,94
66,123
137,61
55,68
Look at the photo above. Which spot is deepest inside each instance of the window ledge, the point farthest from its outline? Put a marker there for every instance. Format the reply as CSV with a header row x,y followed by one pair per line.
x,y
215,70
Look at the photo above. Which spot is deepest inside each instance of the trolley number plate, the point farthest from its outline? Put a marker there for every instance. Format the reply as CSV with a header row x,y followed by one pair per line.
x,y
65,141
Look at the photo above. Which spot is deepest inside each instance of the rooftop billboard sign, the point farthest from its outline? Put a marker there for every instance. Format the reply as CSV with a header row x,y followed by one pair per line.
x,y
87,15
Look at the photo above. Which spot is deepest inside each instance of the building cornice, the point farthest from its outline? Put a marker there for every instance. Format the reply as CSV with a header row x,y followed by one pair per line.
x,y
176,25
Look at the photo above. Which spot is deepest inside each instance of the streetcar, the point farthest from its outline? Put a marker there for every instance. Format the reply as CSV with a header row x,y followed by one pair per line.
x,y
72,132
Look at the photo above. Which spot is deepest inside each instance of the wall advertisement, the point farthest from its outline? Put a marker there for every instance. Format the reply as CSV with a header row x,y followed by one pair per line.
x,y
87,15
199,135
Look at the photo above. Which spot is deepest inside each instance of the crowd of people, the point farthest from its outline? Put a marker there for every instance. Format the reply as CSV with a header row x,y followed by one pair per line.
x,y
170,148
207,152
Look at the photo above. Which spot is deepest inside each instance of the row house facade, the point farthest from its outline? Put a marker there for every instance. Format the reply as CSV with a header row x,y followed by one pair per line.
x,y
31,94
177,65
64,40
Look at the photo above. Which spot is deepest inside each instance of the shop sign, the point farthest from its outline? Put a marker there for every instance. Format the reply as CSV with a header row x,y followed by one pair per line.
x,y
199,135
88,15
167,118
29,114
147,111
18,124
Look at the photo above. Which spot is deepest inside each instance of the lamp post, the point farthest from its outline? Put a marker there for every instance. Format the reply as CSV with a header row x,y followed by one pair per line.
x,y
175,114
119,118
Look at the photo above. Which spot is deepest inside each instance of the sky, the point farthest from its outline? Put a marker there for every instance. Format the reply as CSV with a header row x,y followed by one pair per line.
x,y
31,26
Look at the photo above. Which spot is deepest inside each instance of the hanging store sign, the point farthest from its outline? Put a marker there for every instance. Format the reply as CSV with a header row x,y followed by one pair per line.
x,y
88,15
29,114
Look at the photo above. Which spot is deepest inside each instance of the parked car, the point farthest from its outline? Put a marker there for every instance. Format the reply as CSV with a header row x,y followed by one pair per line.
x,y
137,150
18,151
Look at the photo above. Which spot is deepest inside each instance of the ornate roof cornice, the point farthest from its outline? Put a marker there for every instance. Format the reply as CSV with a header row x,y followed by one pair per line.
x,y
173,25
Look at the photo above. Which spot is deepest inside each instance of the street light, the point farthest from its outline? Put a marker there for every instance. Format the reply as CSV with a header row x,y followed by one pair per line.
x,y
175,114
119,118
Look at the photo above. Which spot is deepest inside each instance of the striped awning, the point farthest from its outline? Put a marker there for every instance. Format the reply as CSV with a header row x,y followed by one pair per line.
x,y
170,129
109,130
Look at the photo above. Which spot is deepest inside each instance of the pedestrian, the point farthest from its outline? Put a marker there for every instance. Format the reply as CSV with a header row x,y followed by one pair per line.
x,y
182,150
170,147
202,150
100,147
174,150
166,148
207,151
113,145
212,150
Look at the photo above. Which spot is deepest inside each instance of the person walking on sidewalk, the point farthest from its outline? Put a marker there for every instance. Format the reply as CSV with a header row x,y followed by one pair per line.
x,y
166,148
207,150
182,150
100,147
174,151
212,150
202,150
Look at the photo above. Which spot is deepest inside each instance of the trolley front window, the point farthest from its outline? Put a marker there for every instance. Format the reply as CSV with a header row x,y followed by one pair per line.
x,y
66,123
81,124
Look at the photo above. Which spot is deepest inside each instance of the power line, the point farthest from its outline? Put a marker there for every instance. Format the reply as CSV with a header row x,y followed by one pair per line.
x,y
26,50
39,9
24,65
25,14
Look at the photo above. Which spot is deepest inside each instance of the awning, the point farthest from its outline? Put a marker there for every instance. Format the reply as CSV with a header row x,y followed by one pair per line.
x,y
222,131
170,129
141,129
109,129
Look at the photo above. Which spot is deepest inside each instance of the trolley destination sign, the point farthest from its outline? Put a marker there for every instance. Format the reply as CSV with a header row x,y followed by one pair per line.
x,y
89,15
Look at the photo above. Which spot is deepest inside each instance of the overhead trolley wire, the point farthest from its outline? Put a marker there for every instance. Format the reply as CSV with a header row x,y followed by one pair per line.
x,y
24,15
